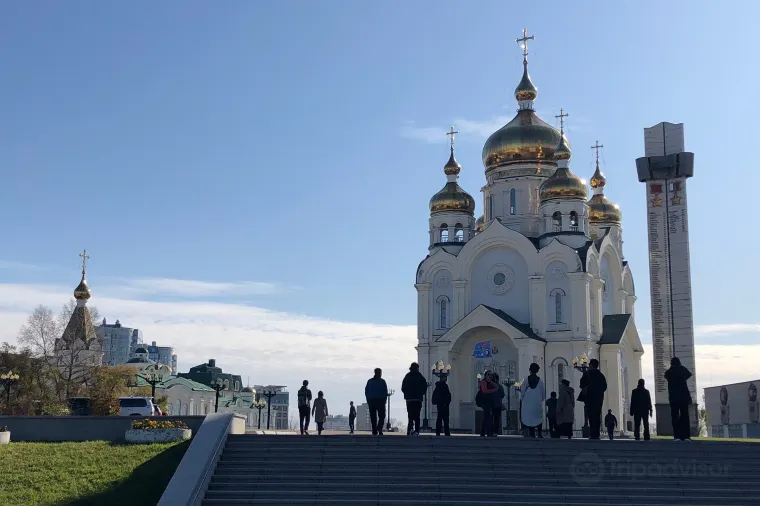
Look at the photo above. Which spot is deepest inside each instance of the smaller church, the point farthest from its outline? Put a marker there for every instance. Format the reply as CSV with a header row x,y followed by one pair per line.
x,y
539,277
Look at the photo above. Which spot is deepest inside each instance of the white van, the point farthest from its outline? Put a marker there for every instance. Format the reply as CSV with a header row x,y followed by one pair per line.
x,y
136,406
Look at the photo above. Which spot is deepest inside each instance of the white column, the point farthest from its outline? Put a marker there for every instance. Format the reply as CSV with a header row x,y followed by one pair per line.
x,y
459,309
423,311
579,288
596,286
612,369
538,304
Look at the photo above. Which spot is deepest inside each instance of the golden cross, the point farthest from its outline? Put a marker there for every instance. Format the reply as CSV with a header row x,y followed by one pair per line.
x,y
524,43
84,257
451,133
562,115
597,146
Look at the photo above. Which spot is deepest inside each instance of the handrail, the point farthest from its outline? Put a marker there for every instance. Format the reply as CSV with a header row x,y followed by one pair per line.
x,y
219,446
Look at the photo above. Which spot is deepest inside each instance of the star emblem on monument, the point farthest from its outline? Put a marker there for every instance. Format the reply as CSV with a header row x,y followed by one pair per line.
x,y
656,202
676,200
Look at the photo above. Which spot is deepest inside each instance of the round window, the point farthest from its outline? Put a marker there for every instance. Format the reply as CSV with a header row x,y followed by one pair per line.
x,y
499,279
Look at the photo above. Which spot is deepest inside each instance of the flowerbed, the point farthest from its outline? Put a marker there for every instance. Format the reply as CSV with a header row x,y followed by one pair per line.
x,y
157,431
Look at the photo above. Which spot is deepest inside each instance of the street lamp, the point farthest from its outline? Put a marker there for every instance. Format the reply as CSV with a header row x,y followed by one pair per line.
x,y
218,386
440,371
581,364
269,394
425,423
509,383
390,392
260,404
152,379
7,380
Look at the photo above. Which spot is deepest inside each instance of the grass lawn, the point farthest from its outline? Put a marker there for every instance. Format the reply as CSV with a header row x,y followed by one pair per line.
x,y
87,473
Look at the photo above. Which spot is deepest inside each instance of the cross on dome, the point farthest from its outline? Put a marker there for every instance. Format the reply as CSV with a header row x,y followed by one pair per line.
x,y
524,43
562,115
451,134
597,147
84,256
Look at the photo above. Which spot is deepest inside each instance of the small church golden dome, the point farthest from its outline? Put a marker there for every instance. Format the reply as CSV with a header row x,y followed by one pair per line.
x,y
563,184
600,209
480,224
82,291
452,167
452,198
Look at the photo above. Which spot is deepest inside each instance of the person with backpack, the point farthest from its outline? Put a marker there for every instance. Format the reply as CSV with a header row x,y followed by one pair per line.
x,y
351,417
304,407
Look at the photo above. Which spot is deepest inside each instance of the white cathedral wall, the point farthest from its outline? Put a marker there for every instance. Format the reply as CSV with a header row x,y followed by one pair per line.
x,y
558,285
524,217
515,297
441,301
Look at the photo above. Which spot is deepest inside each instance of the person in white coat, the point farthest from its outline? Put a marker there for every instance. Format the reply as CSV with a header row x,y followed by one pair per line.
x,y
532,394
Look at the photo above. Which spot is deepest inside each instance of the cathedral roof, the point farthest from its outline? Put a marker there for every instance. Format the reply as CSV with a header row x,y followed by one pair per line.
x,y
522,327
80,328
613,328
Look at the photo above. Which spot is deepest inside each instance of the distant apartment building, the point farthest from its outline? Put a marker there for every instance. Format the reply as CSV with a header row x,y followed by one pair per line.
x,y
362,417
336,422
119,342
162,355
280,405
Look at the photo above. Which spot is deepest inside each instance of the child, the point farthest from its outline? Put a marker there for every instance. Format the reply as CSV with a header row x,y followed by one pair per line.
x,y
611,422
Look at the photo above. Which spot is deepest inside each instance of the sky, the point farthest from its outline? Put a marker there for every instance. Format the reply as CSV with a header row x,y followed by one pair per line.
x,y
251,179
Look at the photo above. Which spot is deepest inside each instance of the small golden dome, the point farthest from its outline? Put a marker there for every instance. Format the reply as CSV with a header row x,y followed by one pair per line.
x,y
563,184
526,90
82,291
601,210
480,224
527,138
452,167
563,150
452,198
598,180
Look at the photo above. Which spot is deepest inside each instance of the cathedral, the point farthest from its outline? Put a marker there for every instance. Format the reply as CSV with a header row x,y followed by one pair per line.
x,y
539,277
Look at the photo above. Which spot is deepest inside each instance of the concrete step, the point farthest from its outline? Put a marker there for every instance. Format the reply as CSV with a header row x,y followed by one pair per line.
x,y
435,502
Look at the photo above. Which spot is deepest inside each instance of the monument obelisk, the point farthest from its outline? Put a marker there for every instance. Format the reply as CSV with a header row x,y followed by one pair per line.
x,y
664,169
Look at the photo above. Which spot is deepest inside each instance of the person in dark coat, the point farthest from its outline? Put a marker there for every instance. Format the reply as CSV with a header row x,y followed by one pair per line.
x,y
565,414
641,410
610,421
414,388
351,417
304,407
376,393
487,389
551,414
680,399
593,385
441,400
498,405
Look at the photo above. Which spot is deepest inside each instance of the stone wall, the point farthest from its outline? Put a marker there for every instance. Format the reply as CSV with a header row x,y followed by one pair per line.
x,y
80,428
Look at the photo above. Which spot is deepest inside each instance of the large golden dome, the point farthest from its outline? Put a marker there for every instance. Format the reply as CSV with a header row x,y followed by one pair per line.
x,y
527,138
563,184
452,198
600,209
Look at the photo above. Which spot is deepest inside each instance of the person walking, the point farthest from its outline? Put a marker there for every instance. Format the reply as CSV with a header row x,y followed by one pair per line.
x,y
533,393
551,414
414,388
319,411
487,390
593,386
376,393
498,405
304,407
641,410
680,399
610,421
565,414
441,400
351,418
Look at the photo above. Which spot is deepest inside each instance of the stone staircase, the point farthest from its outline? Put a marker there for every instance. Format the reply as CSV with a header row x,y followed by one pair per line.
x,y
471,471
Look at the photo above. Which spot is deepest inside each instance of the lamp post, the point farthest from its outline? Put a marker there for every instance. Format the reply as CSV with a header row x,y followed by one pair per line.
x,y
581,364
425,423
509,383
518,387
7,380
218,386
388,425
260,404
152,379
440,371
269,393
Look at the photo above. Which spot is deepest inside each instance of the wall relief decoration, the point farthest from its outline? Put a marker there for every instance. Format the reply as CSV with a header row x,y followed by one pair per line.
x,y
500,279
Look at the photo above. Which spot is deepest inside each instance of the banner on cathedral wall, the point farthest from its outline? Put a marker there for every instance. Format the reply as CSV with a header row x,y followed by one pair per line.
x,y
483,349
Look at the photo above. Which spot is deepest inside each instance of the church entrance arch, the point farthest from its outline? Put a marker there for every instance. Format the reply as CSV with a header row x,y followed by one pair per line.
x,y
503,360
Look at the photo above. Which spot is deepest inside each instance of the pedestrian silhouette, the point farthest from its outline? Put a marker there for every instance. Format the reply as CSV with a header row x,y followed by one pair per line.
x,y
351,417
593,385
641,410
532,394
551,414
376,392
610,421
414,388
565,415
319,411
304,407
441,400
487,389
680,399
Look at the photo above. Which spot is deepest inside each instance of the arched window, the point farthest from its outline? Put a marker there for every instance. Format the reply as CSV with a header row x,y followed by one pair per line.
x,y
558,307
444,232
512,202
573,221
443,312
458,233
557,221
560,373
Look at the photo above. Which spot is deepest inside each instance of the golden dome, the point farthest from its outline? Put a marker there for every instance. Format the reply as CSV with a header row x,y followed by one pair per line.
x,y
526,90
82,291
598,180
452,167
452,198
563,184
601,210
563,150
480,224
527,138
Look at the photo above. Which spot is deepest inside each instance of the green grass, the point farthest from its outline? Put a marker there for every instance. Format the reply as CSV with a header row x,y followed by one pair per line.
x,y
93,473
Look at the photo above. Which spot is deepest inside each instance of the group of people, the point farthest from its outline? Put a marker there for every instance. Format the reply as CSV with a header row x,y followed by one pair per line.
x,y
560,406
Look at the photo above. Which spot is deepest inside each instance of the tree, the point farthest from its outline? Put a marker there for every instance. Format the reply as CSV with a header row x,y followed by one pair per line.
x,y
35,392
108,384
40,331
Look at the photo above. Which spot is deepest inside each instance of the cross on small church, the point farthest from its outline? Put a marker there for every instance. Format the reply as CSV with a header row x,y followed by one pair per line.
x,y
524,43
562,115
596,147
84,256
451,133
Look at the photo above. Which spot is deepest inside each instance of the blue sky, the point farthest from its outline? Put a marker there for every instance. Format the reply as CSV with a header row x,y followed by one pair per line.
x,y
280,155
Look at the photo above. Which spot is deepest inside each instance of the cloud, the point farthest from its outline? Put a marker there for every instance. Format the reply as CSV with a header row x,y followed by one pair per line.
x,y
719,329
193,288
11,265
434,135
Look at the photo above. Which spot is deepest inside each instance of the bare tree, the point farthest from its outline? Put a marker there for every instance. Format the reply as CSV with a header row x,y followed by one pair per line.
x,y
40,332
68,309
